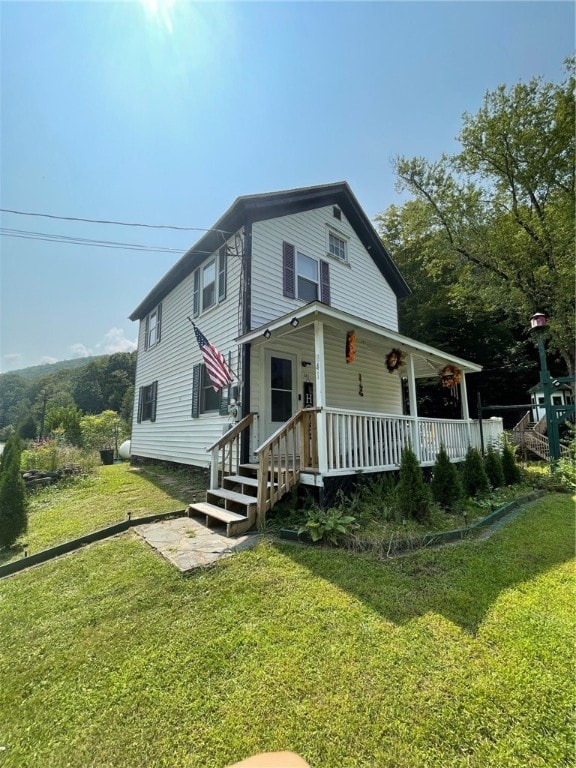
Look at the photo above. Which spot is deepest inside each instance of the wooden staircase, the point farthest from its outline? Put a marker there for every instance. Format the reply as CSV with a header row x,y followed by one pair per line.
x,y
531,436
240,494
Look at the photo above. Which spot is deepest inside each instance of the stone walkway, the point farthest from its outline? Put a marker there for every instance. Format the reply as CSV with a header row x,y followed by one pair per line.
x,y
188,544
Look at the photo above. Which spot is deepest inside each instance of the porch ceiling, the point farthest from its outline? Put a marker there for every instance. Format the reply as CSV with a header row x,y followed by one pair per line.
x,y
427,360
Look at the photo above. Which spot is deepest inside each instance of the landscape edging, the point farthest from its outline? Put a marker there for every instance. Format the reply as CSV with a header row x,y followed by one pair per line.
x,y
88,538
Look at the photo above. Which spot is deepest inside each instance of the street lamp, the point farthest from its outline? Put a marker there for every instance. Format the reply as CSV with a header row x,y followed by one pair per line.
x,y
538,324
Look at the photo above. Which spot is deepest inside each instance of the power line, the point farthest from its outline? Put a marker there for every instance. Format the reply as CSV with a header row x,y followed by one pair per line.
x,y
44,236
117,223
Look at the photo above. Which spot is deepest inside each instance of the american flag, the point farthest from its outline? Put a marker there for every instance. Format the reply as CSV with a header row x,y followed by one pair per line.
x,y
218,371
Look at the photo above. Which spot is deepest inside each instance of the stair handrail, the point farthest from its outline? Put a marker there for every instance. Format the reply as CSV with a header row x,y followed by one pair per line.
x,y
277,458
541,425
523,423
230,440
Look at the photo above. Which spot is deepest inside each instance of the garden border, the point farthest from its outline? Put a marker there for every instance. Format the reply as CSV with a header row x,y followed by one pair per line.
x,y
88,538
441,537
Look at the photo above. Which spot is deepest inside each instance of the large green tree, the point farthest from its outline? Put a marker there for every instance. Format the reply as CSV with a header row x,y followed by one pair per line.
x,y
496,220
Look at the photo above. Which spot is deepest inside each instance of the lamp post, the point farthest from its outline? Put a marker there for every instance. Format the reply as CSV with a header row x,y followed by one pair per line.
x,y
538,324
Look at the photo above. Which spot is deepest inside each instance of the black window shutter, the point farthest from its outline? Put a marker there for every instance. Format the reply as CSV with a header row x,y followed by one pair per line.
x,y
224,400
158,322
140,404
222,273
196,294
146,327
154,398
289,270
196,371
325,282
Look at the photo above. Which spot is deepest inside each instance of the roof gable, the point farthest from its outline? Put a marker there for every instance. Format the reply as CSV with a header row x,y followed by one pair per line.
x,y
251,208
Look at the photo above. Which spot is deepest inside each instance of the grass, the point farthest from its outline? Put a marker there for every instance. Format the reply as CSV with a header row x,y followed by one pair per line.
x,y
461,657
60,513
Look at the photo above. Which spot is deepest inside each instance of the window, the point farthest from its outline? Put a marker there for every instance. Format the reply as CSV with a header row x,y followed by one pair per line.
x,y
205,399
209,283
337,246
152,332
557,400
337,213
540,401
147,400
304,278
307,282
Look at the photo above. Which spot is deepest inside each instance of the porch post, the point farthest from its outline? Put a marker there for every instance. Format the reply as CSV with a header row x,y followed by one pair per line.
x,y
320,384
413,407
465,412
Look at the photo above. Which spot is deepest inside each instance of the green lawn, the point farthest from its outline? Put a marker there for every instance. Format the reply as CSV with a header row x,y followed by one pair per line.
x,y
462,656
58,514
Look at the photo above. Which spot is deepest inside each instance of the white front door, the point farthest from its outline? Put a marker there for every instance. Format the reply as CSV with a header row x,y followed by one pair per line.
x,y
281,383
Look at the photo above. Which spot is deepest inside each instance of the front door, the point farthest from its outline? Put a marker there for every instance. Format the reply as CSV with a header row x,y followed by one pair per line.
x,y
281,389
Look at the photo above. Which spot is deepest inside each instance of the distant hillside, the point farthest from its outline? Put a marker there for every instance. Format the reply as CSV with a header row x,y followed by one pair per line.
x,y
37,371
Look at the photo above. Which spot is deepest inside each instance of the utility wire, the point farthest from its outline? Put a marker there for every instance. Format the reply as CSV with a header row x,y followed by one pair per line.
x,y
117,223
44,236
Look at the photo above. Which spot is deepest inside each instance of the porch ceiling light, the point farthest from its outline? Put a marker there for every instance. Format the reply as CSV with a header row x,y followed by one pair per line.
x,y
267,333
294,322
538,321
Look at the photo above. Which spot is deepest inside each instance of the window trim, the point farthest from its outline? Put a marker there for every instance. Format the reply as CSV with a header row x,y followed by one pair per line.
x,y
332,232
220,263
157,314
147,402
307,279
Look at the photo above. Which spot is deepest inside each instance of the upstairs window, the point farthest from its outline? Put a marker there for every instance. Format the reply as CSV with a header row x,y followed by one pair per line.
x,y
307,282
337,246
210,283
153,327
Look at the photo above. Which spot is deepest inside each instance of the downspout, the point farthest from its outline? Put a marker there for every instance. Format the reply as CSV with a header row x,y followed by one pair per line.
x,y
413,408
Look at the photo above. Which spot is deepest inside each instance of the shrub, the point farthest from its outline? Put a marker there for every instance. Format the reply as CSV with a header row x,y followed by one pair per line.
x,y
474,477
50,455
446,486
13,513
510,468
493,467
328,524
566,468
413,497
102,431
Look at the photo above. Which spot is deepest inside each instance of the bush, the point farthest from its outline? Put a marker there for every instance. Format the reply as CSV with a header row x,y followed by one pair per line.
x,y
474,477
328,524
446,486
493,467
510,468
103,431
50,455
13,507
413,497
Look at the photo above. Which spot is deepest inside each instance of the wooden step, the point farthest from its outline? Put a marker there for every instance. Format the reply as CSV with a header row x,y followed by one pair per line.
x,y
251,482
227,495
235,522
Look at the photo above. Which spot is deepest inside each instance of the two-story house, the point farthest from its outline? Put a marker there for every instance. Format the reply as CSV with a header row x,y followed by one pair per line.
x,y
298,293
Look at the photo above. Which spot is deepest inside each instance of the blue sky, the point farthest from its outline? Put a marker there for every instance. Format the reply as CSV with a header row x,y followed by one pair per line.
x,y
164,111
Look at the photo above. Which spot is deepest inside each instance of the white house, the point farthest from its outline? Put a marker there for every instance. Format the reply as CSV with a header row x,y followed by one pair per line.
x,y
561,395
298,293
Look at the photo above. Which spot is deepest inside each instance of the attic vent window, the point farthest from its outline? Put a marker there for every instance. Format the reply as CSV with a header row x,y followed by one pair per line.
x,y
337,213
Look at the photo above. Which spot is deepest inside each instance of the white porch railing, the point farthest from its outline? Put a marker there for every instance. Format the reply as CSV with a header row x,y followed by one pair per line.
x,y
359,440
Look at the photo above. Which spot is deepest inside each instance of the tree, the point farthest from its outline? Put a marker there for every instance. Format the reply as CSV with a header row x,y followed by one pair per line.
x,y
413,495
13,513
503,207
446,486
474,477
101,431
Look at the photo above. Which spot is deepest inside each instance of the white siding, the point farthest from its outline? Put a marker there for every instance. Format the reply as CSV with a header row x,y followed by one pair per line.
x,y
357,287
175,435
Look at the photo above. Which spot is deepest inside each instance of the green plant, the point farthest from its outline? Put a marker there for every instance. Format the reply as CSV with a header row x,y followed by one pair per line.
x,y
493,467
413,498
474,477
13,505
446,486
100,432
566,467
328,524
510,468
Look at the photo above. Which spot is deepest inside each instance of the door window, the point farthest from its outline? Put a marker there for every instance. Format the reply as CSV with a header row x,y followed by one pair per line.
x,y
281,388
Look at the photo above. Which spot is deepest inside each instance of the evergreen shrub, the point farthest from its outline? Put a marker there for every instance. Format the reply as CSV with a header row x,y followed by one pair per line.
x,y
493,467
446,486
414,500
510,468
13,511
474,477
